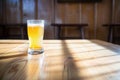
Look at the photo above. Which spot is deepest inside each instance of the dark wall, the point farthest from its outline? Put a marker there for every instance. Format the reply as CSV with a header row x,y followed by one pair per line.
x,y
95,14
18,11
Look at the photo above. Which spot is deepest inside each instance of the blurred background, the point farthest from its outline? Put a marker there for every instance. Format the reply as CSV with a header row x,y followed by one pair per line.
x,y
95,14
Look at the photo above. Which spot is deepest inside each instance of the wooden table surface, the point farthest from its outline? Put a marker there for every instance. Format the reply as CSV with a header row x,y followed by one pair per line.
x,y
62,60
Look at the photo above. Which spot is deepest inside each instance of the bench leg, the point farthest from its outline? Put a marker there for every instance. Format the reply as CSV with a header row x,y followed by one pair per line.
x,y
110,34
59,31
82,33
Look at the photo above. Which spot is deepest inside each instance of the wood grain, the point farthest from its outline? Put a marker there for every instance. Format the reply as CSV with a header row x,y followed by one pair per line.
x,y
62,60
45,12
12,11
1,11
71,16
116,16
116,11
28,10
88,17
1,16
103,9
60,16
11,15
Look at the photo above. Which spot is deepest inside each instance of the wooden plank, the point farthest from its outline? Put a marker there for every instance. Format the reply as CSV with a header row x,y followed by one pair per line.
x,y
1,11
72,13
1,15
80,66
36,9
60,17
103,9
80,13
71,16
45,12
12,11
75,60
28,10
116,11
4,11
87,16
68,13
60,13
11,14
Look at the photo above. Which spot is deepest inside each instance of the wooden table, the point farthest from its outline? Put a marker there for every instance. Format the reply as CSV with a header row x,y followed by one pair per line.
x,y
60,25
111,27
62,60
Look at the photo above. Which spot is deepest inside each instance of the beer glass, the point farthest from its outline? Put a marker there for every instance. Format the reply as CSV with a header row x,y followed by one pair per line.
x,y
35,29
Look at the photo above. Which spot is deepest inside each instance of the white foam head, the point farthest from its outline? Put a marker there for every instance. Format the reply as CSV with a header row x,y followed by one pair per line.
x,y
35,23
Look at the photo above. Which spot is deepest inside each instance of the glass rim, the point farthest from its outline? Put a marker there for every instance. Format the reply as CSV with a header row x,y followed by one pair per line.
x,y
35,20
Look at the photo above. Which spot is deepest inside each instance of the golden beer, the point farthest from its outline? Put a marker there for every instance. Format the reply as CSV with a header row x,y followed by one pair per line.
x,y
35,34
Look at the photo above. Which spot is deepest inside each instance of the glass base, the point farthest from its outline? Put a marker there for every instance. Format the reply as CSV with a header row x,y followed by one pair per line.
x,y
34,52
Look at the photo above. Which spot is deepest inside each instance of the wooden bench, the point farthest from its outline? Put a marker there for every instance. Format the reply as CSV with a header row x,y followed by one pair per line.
x,y
111,28
5,26
81,26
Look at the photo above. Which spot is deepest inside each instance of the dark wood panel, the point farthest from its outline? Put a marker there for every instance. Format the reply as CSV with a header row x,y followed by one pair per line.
x,y
104,13
11,14
87,16
117,11
28,10
116,16
71,16
68,13
12,11
60,11
94,14
1,16
1,9
45,12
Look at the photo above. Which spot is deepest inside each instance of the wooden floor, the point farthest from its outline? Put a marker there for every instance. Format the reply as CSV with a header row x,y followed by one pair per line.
x,y
62,60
